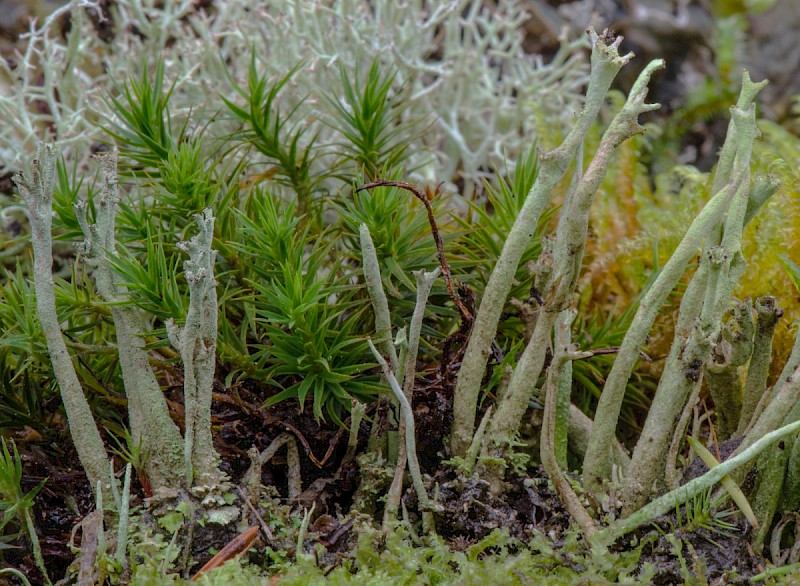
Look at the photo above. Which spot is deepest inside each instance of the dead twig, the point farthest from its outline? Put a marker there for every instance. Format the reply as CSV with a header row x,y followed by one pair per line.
x,y
238,545
462,308
337,535
264,527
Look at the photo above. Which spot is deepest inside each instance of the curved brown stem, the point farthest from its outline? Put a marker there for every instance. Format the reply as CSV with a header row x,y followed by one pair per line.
x,y
465,313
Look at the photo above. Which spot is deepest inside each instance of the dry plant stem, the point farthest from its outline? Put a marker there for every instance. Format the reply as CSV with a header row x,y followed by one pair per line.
x,y
562,354
606,62
147,409
728,183
437,238
727,482
424,284
755,386
196,341
264,527
236,547
669,501
426,505
37,191
567,260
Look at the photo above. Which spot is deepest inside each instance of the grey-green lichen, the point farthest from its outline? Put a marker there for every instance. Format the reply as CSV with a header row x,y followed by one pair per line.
x,y
460,65
731,183
606,62
568,250
196,341
36,188
148,414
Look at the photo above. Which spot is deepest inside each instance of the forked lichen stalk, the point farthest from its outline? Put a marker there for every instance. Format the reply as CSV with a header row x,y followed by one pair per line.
x,y
568,255
605,63
37,190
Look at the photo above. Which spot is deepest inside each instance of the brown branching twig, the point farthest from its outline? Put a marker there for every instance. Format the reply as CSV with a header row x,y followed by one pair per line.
x,y
296,432
250,409
465,313
334,441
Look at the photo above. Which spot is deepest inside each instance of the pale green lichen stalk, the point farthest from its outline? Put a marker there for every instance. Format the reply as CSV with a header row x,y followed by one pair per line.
x,y
196,341
380,305
606,62
563,353
670,500
731,352
768,314
147,409
570,242
36,189
425,283
559,283
726,186
383,331
426,504
725,266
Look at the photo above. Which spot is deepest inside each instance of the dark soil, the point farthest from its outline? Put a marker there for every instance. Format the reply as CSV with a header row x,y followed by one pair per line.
x,y
471,512
722,556
63,501
239,423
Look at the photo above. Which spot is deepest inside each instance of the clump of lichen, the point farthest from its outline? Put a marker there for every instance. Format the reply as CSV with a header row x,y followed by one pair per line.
x,y
459,68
